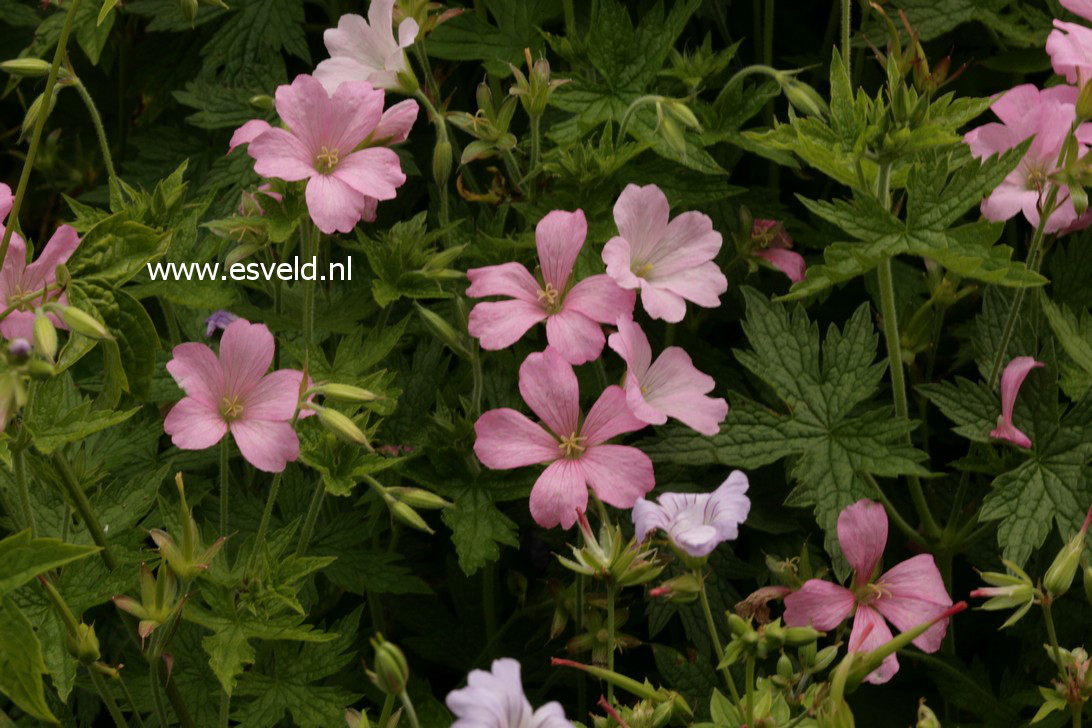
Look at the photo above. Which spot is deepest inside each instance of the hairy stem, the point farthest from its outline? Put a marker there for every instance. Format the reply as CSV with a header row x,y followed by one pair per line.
x,y
107,698
96,121
1048,618
158,706
388,708
847,21
750,687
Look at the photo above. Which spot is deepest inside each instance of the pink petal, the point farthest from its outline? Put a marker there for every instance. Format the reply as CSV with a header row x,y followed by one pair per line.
x,y
1070,49
674,387
266,445
862,534
689,241
407,32
701,284
630,343
1007,200
198,372
1013,105
641,214
870,632
355,109
788,262
279,154
507,439
334,206
819,603
499,324
6,201
1008,431
549,387
248,132
274,397
618,258
559,237
194,425
635,400
600,299
56,252
18,325
246,351
913,592
1082,8
396,122
647,517
507,279
559,493
575,336
375,172
333,72
1016,371
618,474
989,139
662,304
609,417
304,106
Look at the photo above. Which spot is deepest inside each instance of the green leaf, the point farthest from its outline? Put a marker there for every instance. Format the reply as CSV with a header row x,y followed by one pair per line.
x,y
59,415
259,27
134,333
1075,335
107,6
22,558
1016,23
969,404
21,663
115,249
359,568
477,529
514,26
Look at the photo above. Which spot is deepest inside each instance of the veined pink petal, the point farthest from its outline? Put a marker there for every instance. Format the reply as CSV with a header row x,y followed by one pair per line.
x,y
662,304
559,493
335,71
618,474
279,154
618,257
198,372
18,325
1069,46
1012,106
635,399
246,351
499,324
911,593
1007,200
575,336
248,132
701,284
375,172
334,206
689,240
641,214
675,388
355,109
304,106
507,439
56,252
788,262
609,417
6,201
869,632
507,279
396,122
729,506
647,517
862,534
274,397
559,237
990,139
600,299
194,425
266,445
630,343
819,603
1016,371
549,387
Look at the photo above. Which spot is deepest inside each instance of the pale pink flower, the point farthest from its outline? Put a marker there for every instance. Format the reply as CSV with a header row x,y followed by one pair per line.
x,y
774,245
669,387
1069,46
1082,8
1012,379
670,261
495,699
366,50
17,278
572,314
234,392
907,594
572,446
320,146
1046,115
696,522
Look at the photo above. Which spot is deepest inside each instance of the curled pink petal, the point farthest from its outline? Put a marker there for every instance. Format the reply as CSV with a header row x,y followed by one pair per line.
x,y
820,604
248,132
1012,379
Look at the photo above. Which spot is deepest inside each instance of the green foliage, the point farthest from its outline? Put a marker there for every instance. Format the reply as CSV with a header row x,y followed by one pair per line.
x,y
22,558
21,664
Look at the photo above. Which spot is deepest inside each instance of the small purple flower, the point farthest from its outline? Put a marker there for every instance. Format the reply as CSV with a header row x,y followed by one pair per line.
x,y
696,522
495,699
19,347
218,320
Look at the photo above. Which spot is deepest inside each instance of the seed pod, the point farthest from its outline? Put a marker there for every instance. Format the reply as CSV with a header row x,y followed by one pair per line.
x,y
342,426
419,498
391,669
84,645
45,336
261,102
84,323
1059,577
347,393
26,67
405,513
441,162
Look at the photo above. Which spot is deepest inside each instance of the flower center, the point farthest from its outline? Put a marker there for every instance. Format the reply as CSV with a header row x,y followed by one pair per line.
x,y
326,160
643,270
231,408
571,446
871,592
549,297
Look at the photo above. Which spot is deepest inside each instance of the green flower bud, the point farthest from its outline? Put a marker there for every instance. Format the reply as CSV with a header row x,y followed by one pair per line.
x,y
40,369
240,253
824,658
1088,583
926,717
84,645
443,331
347,393
683,113
407,81
26,67
45,336
803,97
1084,102
419,498
404,512
1059,577
189,10
1080,198
391,669
84,323
441,162
673,135
342,426
261,102
801,636
738,625
784,667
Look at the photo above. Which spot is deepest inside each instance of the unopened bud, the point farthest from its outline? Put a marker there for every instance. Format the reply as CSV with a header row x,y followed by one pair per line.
x,y
1059,577
26,67
45,336
40,369
926,717
419,498
261,102
801,636
784,667
355,719
443,331
1080,198
35,109
824,658
347,393
737,624
189,10
484,96
682,589
673,135
404,513
683,113
391,669
342,426
804,98
1088,583
84,645
240,253
84,323
441,162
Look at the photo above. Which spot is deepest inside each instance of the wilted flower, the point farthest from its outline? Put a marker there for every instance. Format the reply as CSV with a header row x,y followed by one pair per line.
x,y
908,594
1011,380
572,314
773,244
573,447
235,393
669,387
495,699
670,261
696,522
366,50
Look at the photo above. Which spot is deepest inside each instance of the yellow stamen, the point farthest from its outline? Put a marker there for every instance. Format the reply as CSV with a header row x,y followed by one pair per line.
x,y
231,408
326,160
549,297
643,270
571,446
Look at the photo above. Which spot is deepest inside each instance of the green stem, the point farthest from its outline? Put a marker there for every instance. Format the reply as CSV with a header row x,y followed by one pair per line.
x,y
536,141
96,120
312,517
39,127
512,166
18,459
135,713
715,637
1075,710
410,712
623,125
570,18
441,136
476,371
107,698
225,486
225,708
610,637
388,708
172,321
267,514
1048,617
847,20
178,704
750,687
83,507
158,706
426,67
489,599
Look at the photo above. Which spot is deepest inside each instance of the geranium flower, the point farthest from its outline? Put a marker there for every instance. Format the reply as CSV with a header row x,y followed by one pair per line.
x,y
696,522
573,447
1046,115
18,279
234,392
774,245
907,594
495,699
668,387
320,146
670,261
366,50
572,315
1012,379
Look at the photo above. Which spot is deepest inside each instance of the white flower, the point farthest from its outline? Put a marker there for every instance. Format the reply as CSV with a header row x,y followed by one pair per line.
x,y
696,522
366,50
495,699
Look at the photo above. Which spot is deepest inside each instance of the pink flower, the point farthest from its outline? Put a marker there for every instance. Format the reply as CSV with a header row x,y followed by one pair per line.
x,y
18,279
668,387
343,185
366,50
573,447
1046,115
1011,380
908,594
670,261
1069,46
773,244
495,699
1082,8
235,393
696,522
572,315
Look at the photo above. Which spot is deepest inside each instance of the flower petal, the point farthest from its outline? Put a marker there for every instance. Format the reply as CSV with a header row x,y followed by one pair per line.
x,y
375,172
819,603
641,214
304,106
1016,371
268,446
788,262
617,256
559,237
274,397
600,299
396,122
575,336
248,132
869,632
334,206
194,425
246,351
507,279
335,71
913,592
198,372
57,251
499,324
647,517
549,387
862,534
356,108
630,343
662,304
618,474
674,387
279,154
609,416
559,493
508,439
